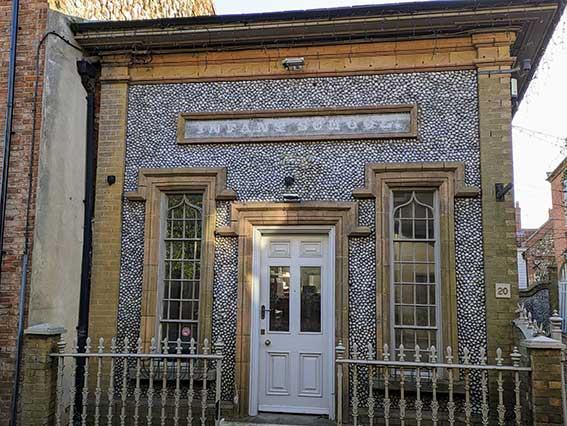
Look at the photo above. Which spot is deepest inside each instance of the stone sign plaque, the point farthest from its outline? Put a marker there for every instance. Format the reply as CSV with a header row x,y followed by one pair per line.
x,y
299,125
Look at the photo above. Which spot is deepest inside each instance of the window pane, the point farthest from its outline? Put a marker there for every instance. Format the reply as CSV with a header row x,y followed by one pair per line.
x,y
407,294
311,299
413,263
407,229
182,258
425,198
420,273
422,316
279,298
401,198
421,229
421,295
175,290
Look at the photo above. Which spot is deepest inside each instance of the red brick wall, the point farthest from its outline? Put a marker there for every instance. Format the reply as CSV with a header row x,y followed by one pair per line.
x,y
557,215
32,22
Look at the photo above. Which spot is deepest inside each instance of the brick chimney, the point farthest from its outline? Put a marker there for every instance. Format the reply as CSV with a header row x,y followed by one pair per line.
x,y
518,217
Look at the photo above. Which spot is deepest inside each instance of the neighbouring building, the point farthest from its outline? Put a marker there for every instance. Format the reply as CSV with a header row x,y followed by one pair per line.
x,y
538,254
57,186
542,252
558,216
297,187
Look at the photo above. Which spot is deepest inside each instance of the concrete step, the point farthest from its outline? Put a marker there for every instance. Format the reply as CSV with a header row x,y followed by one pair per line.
x,y
272,419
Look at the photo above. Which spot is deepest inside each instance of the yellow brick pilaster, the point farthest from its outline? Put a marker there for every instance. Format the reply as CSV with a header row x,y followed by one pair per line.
x,y
107,226
495,115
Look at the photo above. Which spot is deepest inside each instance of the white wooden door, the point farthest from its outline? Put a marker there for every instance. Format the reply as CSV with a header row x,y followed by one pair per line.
x,y
295,315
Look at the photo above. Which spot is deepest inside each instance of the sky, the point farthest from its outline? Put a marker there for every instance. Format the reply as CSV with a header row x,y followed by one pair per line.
x,y
540,125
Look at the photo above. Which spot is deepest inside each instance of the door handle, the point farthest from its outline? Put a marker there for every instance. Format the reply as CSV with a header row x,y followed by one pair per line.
x,y
263,311
268,342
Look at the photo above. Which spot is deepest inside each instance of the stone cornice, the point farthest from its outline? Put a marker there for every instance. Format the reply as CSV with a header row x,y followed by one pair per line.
x,y
181,177
455,170
304,213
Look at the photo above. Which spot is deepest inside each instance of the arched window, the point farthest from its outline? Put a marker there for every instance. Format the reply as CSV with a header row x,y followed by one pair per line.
x,y
415,278
182,242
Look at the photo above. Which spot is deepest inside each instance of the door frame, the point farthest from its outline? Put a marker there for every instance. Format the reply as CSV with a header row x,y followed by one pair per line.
x,y
258,233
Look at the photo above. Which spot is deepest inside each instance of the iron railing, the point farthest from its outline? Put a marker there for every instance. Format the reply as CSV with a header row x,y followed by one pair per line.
x,y
126,386
425,390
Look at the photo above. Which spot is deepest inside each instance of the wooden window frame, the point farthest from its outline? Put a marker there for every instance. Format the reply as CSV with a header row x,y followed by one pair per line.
x,y
162,262
447,179
152,185
437,256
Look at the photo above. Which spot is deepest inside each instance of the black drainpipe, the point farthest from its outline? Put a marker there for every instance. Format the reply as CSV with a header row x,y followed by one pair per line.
x,y
8,126
88,70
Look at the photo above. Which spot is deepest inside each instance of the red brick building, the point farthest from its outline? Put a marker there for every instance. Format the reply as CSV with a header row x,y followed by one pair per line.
x,y
558,215
22,147
544,248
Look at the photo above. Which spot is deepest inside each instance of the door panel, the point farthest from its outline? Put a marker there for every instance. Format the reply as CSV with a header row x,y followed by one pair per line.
x,y
278,373
294,349
310,375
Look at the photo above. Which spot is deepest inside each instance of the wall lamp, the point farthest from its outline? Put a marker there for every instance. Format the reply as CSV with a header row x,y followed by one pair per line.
x,y
289,181
293,64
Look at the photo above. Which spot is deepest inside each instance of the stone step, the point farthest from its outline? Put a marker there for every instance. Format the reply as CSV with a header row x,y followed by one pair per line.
x,y
265,419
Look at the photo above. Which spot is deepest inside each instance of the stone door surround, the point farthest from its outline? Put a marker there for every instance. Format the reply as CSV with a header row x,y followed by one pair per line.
x,y
343,216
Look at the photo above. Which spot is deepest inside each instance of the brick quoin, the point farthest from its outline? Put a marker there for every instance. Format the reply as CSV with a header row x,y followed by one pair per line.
x,y
32,24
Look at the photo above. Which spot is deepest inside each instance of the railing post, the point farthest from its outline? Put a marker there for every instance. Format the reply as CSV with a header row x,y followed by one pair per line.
x,y
339,354
546,387
39,390
219,347
556,325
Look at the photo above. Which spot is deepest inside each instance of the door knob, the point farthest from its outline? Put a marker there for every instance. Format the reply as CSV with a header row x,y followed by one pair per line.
x,y
268,342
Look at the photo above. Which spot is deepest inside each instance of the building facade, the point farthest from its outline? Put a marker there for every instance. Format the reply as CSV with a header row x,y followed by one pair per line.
x,y
310,188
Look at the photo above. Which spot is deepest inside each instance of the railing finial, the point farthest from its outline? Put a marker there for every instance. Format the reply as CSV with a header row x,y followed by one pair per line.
x,y
340,350
417,354
499,358
466,356
482,354
432,355
219,347
402,354
450,356
370,349
516,357
354,352
61,345
556,325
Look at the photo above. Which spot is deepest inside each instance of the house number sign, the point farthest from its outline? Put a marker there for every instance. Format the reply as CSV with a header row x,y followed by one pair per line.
x,y
299,125
503,291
